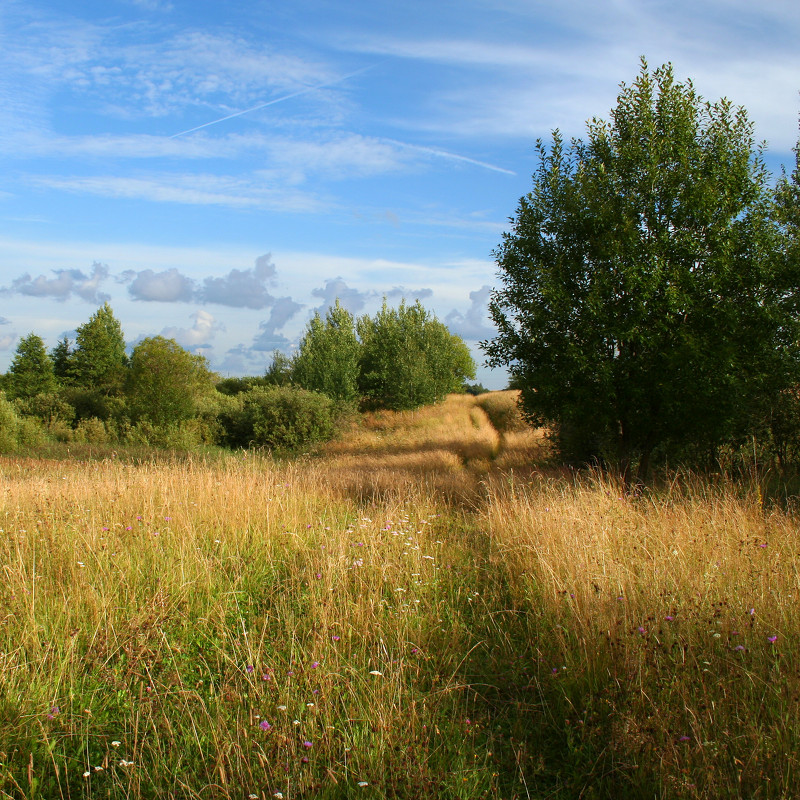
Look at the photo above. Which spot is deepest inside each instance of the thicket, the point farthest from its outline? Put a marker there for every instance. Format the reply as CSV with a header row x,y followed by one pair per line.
x,y
92,391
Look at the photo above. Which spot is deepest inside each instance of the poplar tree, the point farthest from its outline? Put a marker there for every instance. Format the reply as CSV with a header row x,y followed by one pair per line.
x,y
641,304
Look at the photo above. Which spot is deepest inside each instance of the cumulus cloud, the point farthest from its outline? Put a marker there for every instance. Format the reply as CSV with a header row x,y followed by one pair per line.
x,y
199,336
241,288
64,284
268,338
474,323
336,289
7,341
169,286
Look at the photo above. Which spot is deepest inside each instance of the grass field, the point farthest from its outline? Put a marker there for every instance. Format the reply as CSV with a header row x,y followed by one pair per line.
x,y
417,611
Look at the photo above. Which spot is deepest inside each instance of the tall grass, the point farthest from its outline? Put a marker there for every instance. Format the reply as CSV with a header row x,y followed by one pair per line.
x,y
417,612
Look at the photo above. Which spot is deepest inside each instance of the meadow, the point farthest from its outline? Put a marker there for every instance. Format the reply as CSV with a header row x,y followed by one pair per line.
x,y
424,608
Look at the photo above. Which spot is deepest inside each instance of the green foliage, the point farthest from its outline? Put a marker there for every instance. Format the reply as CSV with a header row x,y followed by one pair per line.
x,y
49,407
280,371
164,382
98,361
641,304
17,432
327,360
474,389
409,358
279,418
31,371
60,355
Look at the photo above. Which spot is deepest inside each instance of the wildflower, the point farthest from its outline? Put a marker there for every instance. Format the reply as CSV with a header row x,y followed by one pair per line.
x,y
335,638
314,664
279,795
252,796
264,725
86,774
362,784
304,759
54,711
306,744
124,763
739,647
641,630
281,708
115,743
772,639
266,677
669,618
684,738
249,667
375,672
318,576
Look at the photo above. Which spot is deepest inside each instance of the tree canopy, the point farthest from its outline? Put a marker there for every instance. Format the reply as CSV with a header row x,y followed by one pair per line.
x,y
327,359
31,371
164,381
409,358
98,361
642,305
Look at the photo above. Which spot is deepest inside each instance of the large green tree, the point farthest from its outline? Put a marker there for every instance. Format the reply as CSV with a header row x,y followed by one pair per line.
x,y
409,358
327,359
98,361
31,371
165,382
641,305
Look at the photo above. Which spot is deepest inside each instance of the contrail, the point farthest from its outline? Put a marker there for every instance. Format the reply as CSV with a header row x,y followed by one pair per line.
x,y
272,102
454,156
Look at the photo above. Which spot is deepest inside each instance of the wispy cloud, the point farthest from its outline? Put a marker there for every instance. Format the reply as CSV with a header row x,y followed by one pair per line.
x,y
274,101
188,189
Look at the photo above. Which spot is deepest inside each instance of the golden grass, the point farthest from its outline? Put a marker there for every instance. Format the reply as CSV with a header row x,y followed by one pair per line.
x,y
535,635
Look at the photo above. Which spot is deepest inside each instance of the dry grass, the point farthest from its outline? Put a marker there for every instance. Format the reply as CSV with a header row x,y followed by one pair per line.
x,y
432,622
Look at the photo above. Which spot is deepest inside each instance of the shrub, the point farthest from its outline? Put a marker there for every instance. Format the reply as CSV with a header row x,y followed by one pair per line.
x,y
279,418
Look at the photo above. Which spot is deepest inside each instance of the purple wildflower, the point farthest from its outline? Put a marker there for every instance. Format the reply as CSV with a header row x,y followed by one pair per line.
x,y
264,725
772,639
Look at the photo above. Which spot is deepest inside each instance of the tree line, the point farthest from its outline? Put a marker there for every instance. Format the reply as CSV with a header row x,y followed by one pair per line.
x,y
92,390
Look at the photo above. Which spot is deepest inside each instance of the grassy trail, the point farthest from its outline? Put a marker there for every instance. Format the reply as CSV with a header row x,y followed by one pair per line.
x,y
416,612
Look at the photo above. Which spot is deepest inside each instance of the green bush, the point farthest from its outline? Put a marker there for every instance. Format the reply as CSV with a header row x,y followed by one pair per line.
x,y
17,432
279,418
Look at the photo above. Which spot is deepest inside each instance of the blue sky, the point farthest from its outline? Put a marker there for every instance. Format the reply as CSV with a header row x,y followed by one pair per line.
x,y
219,171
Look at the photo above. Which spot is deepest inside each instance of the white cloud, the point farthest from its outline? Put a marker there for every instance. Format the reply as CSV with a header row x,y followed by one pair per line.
x,y
199,335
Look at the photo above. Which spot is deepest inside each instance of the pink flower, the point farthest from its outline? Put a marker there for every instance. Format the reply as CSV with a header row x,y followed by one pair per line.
x,y
306,744
772,639
264,725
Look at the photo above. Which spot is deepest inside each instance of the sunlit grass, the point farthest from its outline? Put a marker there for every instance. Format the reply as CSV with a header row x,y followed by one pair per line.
x,y
419,611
